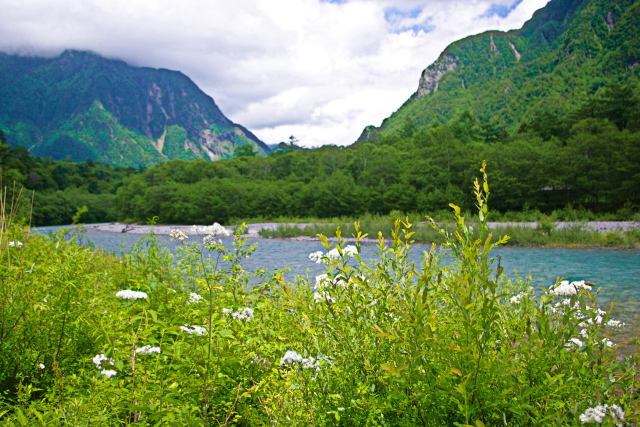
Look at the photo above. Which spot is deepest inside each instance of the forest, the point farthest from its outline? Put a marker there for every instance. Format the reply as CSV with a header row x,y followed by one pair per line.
x,y
586,160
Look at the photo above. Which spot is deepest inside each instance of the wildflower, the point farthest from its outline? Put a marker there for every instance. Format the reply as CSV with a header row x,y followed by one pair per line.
x,y
600,413
614,323
569,288
517,298
310,363
193,298
324,296
192,329
178,235
129,294
245,314
147,349
15,244
575,341
290,357
323,280
347,251
316,257
41,365
607,342
210,240
108,373
99,358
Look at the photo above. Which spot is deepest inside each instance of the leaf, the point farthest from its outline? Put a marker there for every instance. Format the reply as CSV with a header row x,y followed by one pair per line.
x,y
225,333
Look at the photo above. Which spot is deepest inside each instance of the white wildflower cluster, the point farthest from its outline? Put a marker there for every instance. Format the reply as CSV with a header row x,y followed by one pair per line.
x,y
193,329
98,360
517,298
316,257
320,257
15,244
178,235
245,313
569,288
194,298
599,413
129,294
215,229
108,373
292,357
210,240
323,297
324,280
147,349
41,365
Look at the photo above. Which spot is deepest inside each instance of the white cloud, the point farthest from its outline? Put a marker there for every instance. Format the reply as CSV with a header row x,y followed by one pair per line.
x,y
319,70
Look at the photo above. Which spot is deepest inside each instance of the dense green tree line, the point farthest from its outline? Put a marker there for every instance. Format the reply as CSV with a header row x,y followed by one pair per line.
x,y
587,159
61,187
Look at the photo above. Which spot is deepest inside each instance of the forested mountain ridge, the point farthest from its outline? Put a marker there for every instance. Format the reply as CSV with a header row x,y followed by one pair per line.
x,y
82,106
566,53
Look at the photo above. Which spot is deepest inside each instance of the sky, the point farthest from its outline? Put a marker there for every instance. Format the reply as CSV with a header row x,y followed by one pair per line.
x,y
320,70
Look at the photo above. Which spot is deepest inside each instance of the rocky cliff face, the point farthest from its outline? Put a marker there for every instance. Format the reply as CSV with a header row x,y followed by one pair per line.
x,y
433,73
82,105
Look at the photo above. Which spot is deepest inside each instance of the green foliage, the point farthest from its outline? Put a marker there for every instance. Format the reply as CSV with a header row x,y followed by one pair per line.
x,y
381,343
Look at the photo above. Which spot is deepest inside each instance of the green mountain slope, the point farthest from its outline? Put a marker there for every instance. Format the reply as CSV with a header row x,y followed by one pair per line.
x,y
560,58
83,106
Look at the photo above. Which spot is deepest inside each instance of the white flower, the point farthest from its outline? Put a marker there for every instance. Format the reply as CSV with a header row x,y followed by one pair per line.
x,y
575,341
316,257
15,244
108,373
600,412
310,363
193,329
41,365
569,288
129,294
516,299
290,357
147,349
614,323
324,296
245,314
99,358
324,280
210,240
607,342
193,298
178,235
347,251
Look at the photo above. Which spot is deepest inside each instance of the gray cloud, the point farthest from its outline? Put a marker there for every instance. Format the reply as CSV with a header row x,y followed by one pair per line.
x,y
321,70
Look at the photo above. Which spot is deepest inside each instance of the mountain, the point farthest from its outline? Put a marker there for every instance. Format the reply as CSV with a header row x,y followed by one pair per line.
x,y
565,54
82,106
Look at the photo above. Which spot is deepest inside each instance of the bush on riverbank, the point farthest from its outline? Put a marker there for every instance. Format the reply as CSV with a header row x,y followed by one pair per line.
x,y
91,339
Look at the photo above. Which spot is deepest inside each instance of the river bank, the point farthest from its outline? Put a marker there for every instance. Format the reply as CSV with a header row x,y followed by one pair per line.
x,y
612,234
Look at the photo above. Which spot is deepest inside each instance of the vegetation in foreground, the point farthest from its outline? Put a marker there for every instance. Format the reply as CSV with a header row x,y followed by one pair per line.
x,y
87,338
